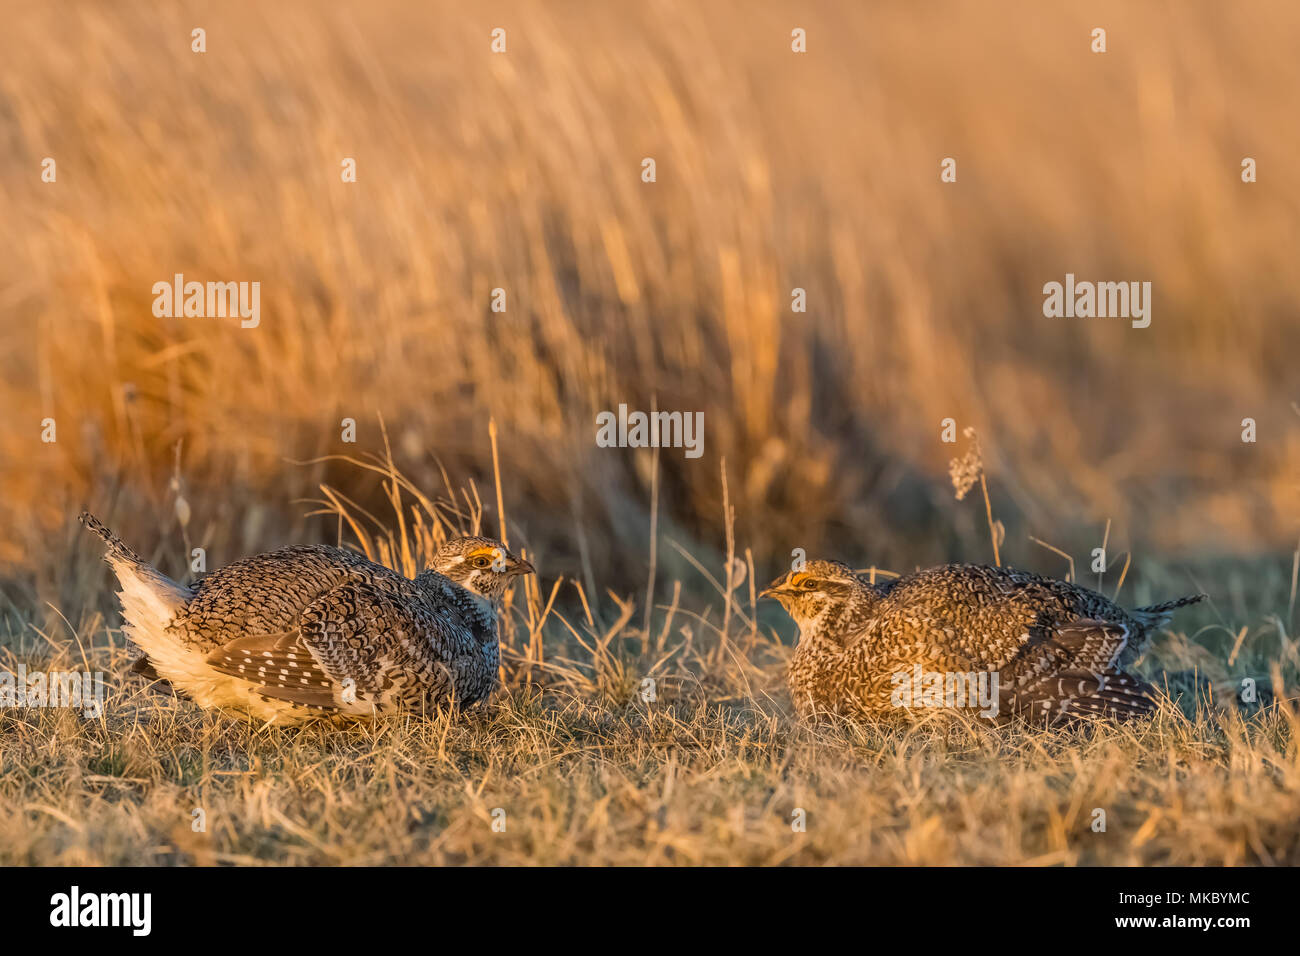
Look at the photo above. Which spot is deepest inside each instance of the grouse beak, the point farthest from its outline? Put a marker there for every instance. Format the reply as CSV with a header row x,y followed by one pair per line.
x,y
517,567
776,588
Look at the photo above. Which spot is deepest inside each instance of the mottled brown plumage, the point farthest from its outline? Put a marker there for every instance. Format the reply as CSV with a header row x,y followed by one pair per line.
x,y
1057,650
314,630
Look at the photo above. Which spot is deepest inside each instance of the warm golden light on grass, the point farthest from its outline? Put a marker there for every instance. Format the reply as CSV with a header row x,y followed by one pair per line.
x,y
775,171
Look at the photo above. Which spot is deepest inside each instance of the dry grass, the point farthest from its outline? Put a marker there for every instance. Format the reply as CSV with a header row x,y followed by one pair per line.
x,y
582,782
713,770
775,171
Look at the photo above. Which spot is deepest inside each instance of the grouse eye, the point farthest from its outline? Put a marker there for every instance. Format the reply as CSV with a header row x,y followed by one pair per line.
x,y
482,561
808,584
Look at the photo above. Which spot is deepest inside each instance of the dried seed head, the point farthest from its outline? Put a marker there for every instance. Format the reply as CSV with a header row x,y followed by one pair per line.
x,y
966,470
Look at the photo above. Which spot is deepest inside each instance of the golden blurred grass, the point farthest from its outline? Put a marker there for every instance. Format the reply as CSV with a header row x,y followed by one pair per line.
x,y
775,170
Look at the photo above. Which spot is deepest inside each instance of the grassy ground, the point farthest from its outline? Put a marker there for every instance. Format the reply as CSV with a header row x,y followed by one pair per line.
x,y
718,776
576,762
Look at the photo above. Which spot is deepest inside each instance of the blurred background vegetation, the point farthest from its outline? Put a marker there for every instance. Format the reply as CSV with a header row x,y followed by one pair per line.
x,y
775,171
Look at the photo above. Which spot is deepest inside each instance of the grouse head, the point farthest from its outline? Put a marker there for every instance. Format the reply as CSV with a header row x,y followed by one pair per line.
x,y
822,592
482,566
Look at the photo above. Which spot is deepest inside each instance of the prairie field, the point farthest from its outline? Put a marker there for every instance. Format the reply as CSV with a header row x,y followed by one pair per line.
x,y
501,272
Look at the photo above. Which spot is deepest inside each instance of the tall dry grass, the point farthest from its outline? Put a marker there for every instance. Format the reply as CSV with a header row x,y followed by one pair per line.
x,y
521,171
